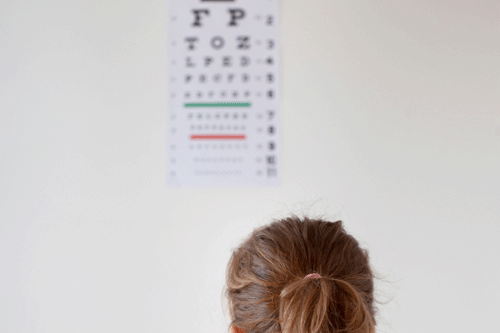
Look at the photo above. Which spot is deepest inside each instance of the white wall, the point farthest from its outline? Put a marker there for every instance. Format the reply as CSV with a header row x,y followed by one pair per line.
x,y
391,121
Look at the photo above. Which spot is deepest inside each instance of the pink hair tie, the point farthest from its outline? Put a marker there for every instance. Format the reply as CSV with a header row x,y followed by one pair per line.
x,y
313,276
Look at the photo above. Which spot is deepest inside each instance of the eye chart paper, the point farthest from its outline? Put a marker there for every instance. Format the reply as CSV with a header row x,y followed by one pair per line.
x,y
223,117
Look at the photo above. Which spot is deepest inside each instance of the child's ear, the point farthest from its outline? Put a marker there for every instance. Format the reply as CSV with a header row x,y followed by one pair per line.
x,y
235,329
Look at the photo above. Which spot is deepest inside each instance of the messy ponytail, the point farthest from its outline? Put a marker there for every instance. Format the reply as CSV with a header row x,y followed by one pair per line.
x,y
269,289
307,305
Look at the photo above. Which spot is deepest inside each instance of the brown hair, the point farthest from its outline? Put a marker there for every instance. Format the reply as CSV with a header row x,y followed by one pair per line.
x,y
268,292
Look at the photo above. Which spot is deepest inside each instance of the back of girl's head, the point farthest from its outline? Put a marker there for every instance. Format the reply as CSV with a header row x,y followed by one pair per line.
x,y
268,291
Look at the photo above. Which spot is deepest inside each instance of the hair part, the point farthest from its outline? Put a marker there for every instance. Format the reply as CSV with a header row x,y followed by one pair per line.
x,y
267,291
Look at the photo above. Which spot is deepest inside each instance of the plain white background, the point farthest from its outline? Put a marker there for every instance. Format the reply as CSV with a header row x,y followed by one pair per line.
x,y
391,122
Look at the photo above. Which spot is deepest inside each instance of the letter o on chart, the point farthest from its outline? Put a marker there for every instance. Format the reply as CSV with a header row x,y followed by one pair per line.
x,y
217,42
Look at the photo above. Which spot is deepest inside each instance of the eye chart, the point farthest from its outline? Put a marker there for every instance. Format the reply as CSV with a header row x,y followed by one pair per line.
x,y
223,117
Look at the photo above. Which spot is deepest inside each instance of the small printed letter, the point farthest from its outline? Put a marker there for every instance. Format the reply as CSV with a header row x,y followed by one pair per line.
x,y
217,42
191,41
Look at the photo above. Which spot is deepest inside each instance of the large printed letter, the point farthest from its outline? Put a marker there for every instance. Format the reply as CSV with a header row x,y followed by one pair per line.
x,y
197,16
236,14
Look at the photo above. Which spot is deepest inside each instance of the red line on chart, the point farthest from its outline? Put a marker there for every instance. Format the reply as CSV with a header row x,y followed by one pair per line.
x,y
218,137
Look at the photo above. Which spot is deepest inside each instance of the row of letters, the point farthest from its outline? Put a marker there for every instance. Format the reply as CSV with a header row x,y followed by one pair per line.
x,y
219,78
235,15
199,94
226,61
218,43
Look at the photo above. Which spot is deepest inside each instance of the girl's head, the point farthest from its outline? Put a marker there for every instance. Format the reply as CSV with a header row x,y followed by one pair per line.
x,y
300,276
